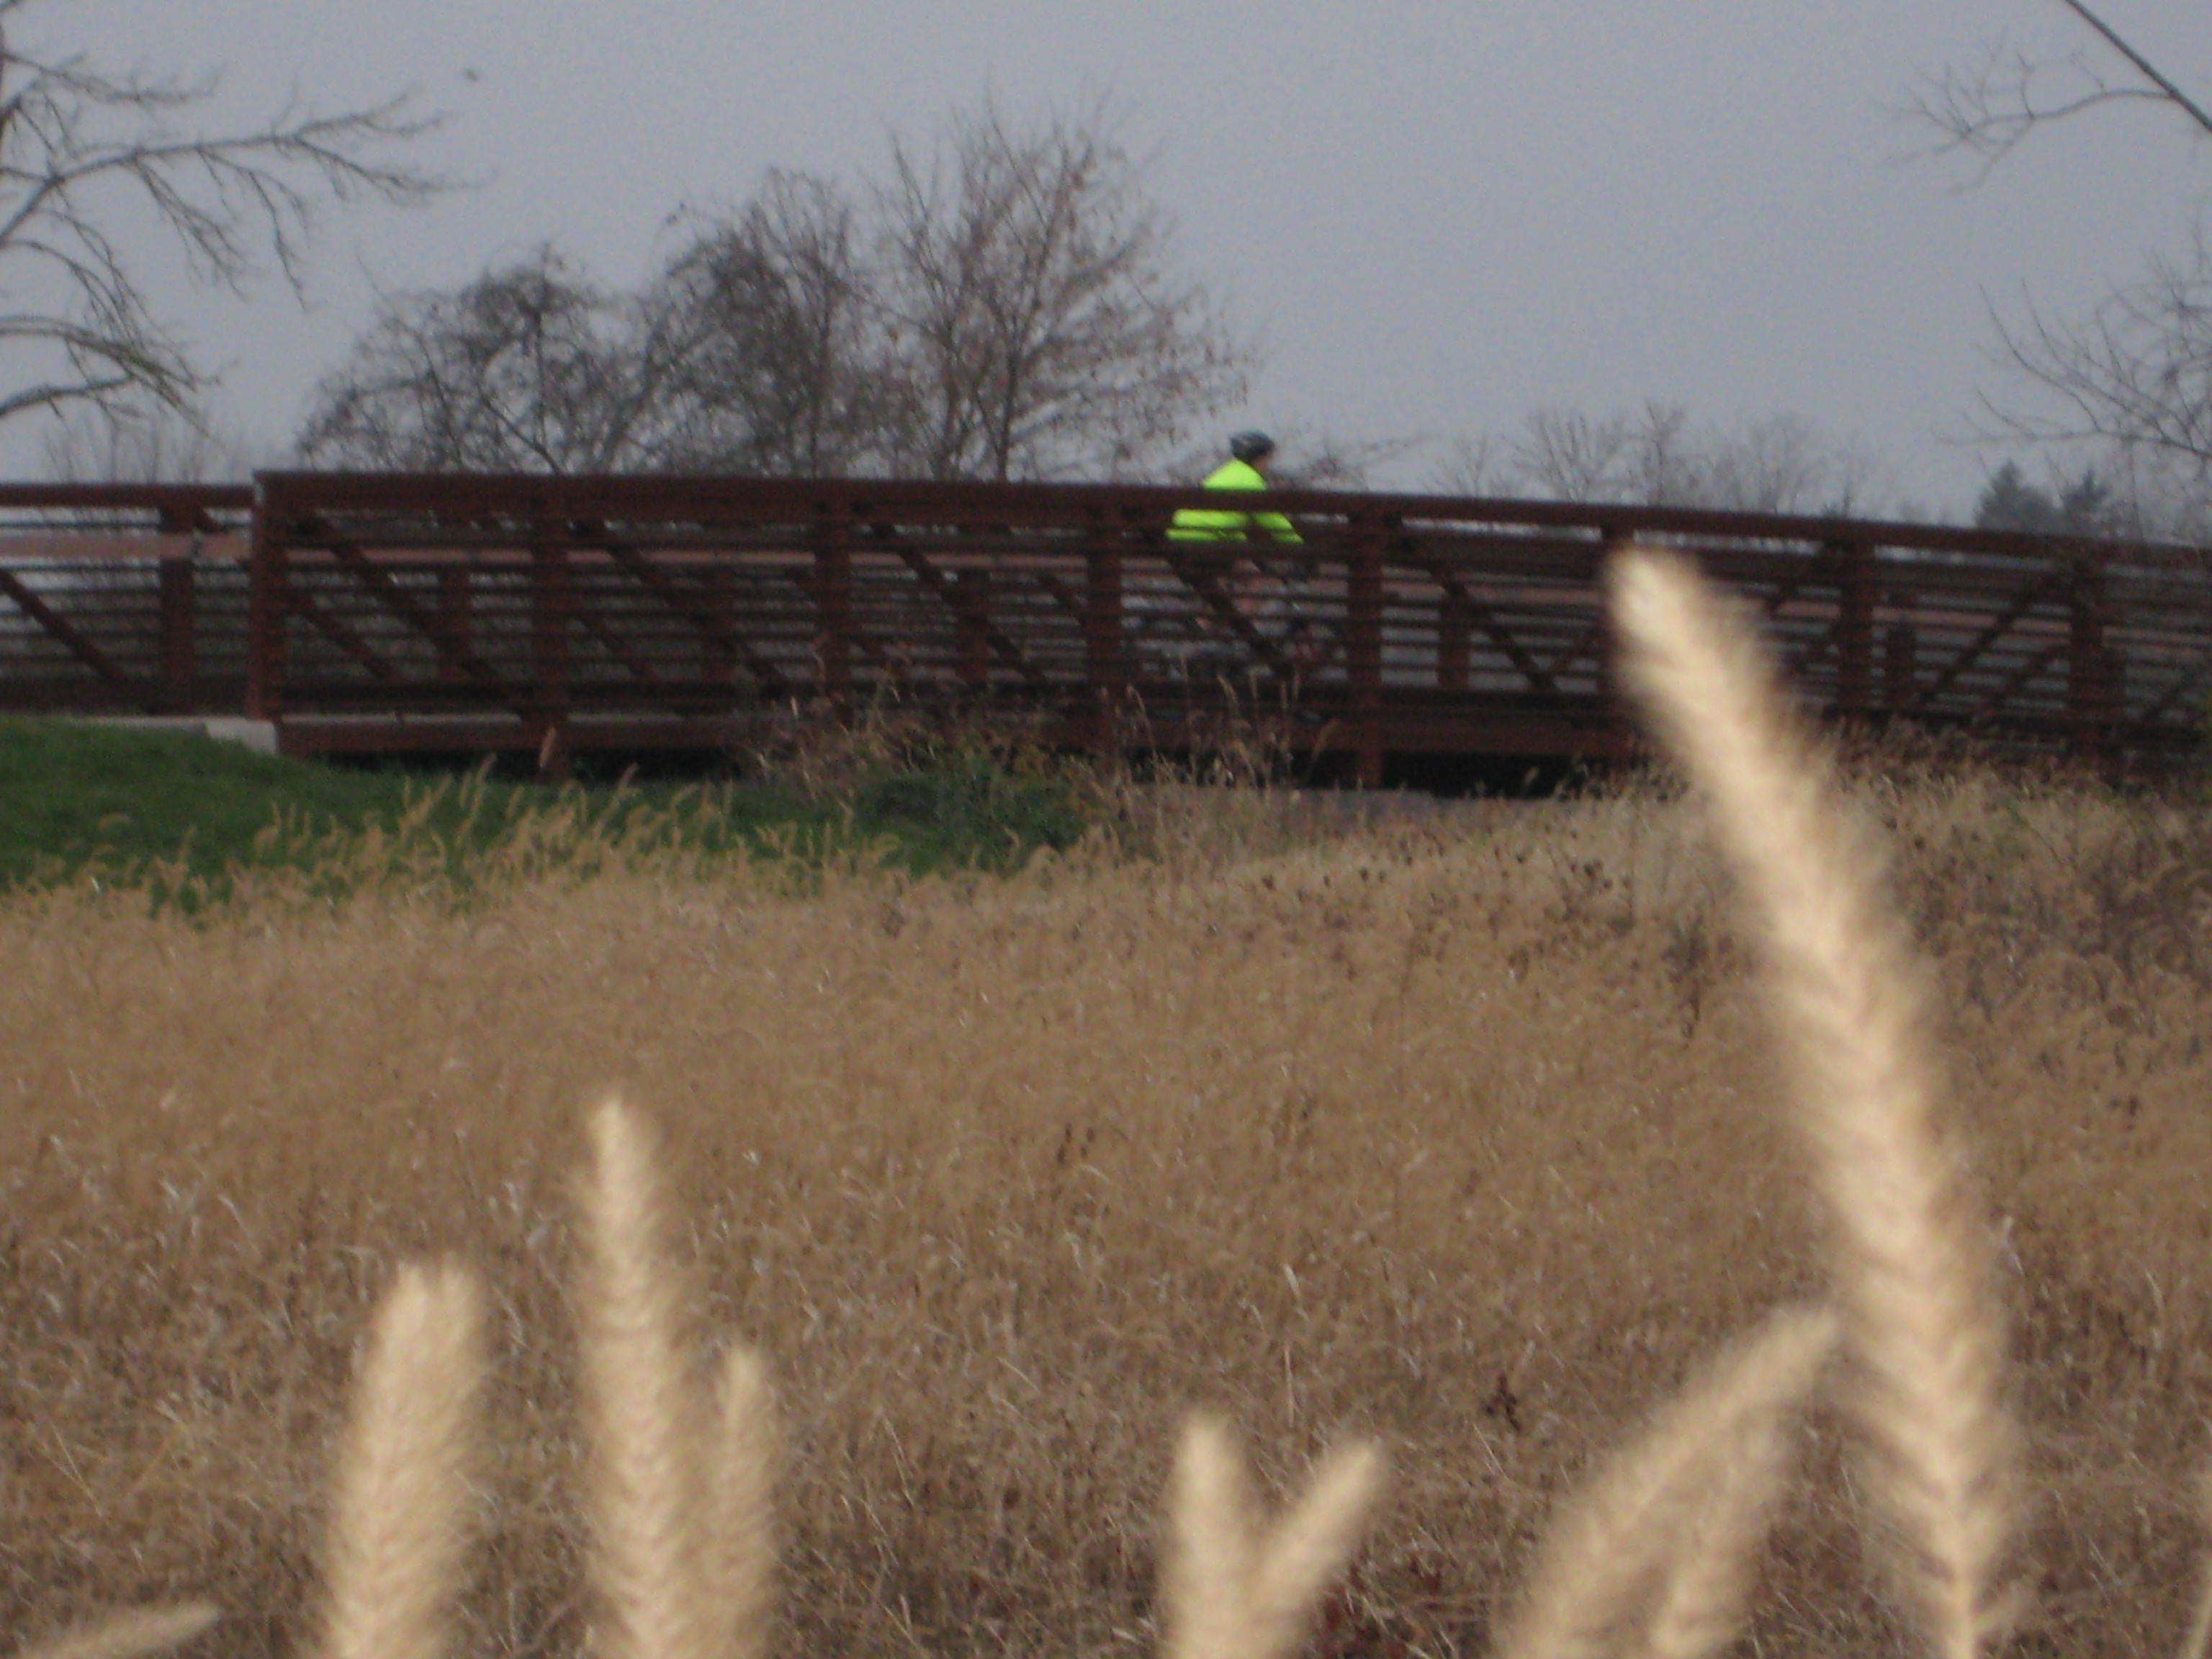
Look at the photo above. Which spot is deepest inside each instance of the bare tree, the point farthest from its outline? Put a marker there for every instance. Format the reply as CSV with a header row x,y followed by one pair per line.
x,y
1783,463
1003,310
2161,498
1659,456
1615,457
1036,328
530,368
1325,460
106,444
2138,372
776,356
84,148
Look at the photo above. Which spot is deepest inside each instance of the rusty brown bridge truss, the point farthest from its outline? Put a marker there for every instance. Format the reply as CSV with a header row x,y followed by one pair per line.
x,y
467,614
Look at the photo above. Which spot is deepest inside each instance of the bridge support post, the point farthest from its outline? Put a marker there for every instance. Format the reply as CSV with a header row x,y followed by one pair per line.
x,y
1364,651
266,602
1620,729
833,608
717,662
971,650
179,663
1854,630
456,622
1901,668
552,606
2092,680
1453,653
1102,646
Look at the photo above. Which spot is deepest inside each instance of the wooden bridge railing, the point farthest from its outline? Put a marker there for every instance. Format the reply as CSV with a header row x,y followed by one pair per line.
x,y
471,613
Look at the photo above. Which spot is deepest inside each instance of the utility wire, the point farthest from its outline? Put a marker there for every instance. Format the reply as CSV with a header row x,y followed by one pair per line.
x,y
2195,110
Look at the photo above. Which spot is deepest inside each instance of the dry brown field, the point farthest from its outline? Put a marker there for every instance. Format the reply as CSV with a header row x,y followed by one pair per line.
x,y
1459,1132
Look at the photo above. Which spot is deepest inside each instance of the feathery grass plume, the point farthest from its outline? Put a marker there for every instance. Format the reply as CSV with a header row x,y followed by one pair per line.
x,y
2200,1618
127,1635
398,1526
649,1542
1234,1590
1212,1522
1308,1548
741,1546
1658,1546
1705,1580
1912,1260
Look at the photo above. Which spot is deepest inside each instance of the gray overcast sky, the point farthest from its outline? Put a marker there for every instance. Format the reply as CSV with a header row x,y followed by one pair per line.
x,y
1436,218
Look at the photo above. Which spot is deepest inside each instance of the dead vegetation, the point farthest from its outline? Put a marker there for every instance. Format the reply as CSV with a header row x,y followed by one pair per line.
x,y
1464,1137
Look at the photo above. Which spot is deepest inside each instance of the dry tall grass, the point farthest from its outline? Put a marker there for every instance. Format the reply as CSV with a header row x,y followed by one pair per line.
x,y
1459,1136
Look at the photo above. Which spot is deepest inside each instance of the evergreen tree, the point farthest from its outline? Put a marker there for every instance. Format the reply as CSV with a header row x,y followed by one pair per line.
x,y
2084,506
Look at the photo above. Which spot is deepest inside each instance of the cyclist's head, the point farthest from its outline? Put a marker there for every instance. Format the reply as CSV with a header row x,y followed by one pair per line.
x,y
1251,447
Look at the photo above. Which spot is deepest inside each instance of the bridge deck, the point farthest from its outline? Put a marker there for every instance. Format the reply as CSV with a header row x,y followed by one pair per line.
x,y
472,613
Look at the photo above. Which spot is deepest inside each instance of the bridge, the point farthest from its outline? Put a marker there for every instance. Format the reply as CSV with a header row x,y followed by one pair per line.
x,y
468,614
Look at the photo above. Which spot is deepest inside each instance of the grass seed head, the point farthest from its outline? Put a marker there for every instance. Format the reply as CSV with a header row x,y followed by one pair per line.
x,y
1913,1254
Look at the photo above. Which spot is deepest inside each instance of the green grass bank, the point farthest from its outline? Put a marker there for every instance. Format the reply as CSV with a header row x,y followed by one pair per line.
x,y
186,813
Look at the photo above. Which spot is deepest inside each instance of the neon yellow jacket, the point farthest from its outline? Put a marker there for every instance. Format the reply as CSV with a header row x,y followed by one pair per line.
x,y
1205,524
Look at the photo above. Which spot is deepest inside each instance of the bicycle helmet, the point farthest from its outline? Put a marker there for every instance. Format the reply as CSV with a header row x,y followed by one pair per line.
x,y
1250,446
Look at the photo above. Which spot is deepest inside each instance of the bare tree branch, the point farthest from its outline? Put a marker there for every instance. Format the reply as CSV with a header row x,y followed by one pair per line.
x,y
2144,67
1988,110
84,149
2136,374
531,368
1003,308
93,445
1659,456
2137,371
1029,308
779,364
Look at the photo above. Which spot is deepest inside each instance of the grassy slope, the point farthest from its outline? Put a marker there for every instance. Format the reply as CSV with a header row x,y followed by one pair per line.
x,y
74,795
